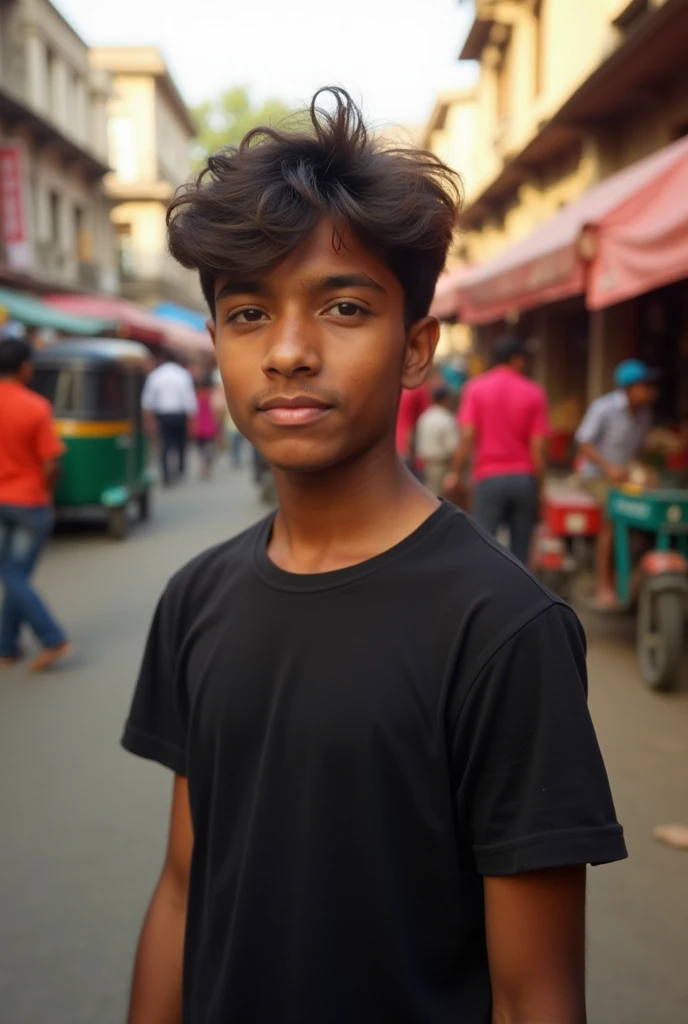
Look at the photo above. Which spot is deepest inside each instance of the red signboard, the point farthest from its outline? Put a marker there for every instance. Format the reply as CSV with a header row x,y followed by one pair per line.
x,y
12,210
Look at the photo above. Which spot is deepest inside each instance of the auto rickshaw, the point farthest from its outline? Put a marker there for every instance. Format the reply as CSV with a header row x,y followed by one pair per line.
x,y
95,389
662,587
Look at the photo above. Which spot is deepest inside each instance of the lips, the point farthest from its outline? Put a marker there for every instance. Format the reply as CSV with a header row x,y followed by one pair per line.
x,y
295,411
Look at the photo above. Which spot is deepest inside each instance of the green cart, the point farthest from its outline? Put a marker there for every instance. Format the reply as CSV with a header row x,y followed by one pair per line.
x,y
95,389
663,583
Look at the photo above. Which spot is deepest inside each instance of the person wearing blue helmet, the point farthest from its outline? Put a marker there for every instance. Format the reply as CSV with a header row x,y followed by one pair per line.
x,y
611,436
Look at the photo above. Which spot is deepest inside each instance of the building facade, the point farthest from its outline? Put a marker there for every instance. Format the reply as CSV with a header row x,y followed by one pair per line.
x,y
567,96
150,132
56,228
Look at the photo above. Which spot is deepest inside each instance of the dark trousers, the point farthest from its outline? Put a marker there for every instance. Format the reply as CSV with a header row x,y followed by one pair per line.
x,y
510,501
172,429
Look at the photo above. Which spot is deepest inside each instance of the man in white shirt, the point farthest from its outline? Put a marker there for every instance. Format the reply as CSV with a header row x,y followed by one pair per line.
x,y
170,396
437,437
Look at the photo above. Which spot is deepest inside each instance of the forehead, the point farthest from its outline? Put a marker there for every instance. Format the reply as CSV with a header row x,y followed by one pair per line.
x,y
327,252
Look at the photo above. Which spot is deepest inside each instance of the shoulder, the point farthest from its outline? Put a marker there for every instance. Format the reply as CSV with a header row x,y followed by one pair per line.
x,y
35,406
485,595
199,583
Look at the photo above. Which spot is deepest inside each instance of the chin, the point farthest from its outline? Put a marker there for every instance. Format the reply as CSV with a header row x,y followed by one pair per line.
x,y
303,458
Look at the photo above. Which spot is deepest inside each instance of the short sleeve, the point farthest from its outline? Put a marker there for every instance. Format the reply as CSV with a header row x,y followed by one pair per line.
x,y
48,444
467,410
530,786
590,430
155,728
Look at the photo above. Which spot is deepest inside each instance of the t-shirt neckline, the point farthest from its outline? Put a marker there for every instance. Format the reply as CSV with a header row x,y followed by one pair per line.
x,y
294,582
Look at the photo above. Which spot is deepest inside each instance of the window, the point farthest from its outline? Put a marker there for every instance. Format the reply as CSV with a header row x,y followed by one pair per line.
x,y
64,389
50,79
55,217
125,250
81,239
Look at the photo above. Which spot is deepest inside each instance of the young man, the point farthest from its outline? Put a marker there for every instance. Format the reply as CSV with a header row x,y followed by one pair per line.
x,y
437,436
169,395
29,461
503,418
612,434
387,783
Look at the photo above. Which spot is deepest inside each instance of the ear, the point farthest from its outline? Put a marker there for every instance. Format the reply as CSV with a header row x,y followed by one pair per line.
x,y
210,324
421,343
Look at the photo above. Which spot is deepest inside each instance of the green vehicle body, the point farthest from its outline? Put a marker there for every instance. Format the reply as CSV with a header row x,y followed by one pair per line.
x,y
95,389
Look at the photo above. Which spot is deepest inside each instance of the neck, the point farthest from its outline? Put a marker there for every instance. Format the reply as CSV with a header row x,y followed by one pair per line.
x,y
14,377
345,515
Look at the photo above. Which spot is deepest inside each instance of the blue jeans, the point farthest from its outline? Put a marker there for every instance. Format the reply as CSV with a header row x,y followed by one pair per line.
x,y
511,501
23,533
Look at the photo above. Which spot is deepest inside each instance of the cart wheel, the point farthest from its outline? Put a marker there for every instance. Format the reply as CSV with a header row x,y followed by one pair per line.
x,y
144,503
118,522
661,617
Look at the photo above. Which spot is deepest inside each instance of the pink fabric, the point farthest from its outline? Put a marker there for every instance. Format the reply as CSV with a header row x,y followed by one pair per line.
x,y
643,244
206,424
411,407
637,221
507,412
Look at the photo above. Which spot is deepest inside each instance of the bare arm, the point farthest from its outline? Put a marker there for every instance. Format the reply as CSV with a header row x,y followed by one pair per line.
x,y
51,472
617,474
538,449
461,458
156,996
536,946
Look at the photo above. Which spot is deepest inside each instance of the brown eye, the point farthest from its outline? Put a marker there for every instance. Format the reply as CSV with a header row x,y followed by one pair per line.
x,y
246,316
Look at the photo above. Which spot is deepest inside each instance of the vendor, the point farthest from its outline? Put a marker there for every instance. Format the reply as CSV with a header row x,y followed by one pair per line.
x,y
611,436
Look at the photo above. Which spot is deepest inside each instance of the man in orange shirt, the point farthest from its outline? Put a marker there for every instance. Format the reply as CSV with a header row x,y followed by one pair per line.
x,y
29,461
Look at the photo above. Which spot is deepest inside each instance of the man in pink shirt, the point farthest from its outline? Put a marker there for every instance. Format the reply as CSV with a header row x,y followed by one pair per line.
x,y
504,423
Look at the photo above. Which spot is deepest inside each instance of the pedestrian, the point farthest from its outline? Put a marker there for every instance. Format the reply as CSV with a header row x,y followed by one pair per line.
x,y
612,434
393,779
504,427
437,436
170,397
206,426
29,463
412,404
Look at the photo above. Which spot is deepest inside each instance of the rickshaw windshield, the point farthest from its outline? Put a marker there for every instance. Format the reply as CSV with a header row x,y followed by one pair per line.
x,y
85,394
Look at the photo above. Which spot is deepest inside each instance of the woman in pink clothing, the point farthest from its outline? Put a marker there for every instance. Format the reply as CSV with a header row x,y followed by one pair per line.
x,y
206,425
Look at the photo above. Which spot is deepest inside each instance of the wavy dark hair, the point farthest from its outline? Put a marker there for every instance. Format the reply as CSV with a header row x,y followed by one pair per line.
x,y
252,205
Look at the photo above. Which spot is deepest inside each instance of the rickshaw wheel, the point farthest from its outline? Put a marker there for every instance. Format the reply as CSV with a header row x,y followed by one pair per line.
x,y
661,617
144,503
118,522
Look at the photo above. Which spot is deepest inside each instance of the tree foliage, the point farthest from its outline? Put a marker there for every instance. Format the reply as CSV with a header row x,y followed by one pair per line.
x,y
224,121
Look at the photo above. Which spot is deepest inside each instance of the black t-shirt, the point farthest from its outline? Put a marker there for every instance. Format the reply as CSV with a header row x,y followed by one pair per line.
x,y
361,747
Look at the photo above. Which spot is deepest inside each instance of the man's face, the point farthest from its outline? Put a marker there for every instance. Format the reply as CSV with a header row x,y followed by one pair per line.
x,y
642,395
313,354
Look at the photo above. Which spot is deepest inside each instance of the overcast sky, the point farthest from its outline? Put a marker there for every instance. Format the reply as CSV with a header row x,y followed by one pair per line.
x,y
395,55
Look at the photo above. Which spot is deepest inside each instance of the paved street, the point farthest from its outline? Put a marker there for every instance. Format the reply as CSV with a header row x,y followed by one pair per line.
x,y
83,823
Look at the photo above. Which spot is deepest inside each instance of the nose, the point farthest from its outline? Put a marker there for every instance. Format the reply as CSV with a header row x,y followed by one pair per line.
x,y
293,349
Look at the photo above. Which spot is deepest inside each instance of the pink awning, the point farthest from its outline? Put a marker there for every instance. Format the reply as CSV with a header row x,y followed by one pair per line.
x,y
135,321
643,243
618,213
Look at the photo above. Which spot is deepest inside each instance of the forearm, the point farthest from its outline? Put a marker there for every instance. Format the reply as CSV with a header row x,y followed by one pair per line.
x,y
462,455
590,452
156,996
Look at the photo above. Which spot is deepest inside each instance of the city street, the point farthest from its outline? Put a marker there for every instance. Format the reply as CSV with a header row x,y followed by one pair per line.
x,y
83,824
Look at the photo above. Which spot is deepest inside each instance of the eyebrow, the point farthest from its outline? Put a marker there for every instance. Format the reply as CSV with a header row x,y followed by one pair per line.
x,y
341,281
334,282
240,288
